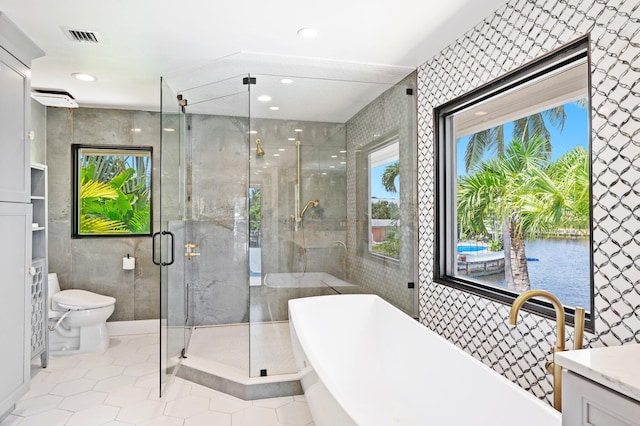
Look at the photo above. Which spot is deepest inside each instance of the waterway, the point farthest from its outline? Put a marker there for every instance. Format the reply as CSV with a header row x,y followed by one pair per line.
x,y
562,268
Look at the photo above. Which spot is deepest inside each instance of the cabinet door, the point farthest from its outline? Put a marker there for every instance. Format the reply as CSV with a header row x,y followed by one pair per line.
x,y
15,306
586,403
14,116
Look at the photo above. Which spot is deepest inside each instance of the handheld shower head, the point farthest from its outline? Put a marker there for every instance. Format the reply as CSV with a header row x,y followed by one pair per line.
x,y
259,150
312,203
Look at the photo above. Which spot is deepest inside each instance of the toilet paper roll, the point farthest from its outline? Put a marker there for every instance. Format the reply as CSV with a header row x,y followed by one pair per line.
x,y
128,263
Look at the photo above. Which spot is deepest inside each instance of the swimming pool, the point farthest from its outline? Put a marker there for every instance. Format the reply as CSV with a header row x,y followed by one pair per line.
x,y
467,248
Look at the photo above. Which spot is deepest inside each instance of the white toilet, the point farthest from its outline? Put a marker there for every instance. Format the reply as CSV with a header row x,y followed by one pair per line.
x,y
77,319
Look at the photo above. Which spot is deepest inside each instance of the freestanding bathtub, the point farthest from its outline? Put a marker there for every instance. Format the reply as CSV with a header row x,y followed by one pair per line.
x,y
364,362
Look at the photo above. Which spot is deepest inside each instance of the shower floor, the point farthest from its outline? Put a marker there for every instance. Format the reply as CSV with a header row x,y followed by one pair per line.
x,y
246,348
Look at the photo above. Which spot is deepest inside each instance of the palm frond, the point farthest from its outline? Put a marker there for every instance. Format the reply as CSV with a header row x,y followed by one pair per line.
x,y
95,189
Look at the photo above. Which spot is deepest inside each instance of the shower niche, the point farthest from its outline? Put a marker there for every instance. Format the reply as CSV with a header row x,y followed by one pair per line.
x,y
259,173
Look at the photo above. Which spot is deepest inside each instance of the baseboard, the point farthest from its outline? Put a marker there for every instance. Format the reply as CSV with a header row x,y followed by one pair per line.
x,y
123,328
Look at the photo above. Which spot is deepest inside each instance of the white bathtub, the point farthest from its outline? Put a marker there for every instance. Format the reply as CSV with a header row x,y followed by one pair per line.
x,y
364,362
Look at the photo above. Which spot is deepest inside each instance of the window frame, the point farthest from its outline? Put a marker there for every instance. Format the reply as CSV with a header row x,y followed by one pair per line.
x,y
444,176
76,150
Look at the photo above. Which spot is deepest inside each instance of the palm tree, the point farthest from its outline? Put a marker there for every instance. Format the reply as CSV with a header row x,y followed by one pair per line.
x,y
92,197
528,194
490,140
389,176
525,128
114,198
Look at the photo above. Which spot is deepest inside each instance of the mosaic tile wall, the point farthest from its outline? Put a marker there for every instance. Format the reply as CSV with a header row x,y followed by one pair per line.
x,y
517,33
391,113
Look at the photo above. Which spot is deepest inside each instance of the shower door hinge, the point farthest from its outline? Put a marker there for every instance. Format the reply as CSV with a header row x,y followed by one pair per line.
x,y
248,80
183,353
182,102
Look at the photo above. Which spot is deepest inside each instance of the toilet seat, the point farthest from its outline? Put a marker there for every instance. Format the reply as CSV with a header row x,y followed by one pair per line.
x,y
81,299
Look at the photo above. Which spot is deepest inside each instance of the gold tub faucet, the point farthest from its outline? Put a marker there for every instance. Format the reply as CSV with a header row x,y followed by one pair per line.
x,y
552,367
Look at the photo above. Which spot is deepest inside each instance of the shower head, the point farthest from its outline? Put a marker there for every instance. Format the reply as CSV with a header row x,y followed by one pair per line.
x,y
312,203
259,150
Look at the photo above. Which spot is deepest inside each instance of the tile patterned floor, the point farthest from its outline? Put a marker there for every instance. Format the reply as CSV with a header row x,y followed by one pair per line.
x,y
120,387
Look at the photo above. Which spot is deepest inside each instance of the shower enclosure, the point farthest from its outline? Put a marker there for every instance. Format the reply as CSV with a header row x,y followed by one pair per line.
x,y
266,196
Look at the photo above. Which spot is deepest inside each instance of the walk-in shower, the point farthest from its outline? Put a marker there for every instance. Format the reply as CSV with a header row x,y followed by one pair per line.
x,y
265,200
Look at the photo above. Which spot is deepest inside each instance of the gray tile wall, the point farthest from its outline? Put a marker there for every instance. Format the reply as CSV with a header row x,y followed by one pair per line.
x,y
221,167
393,113
517,33
39,127
217,168
95,264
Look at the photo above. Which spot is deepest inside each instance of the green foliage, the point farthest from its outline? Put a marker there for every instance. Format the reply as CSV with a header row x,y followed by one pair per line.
x,y
391,172
496,245
115,195
390,247
525,188
385,210
255,208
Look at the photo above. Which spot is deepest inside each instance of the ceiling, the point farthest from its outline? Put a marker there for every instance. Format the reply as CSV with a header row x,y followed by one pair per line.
x,y
377,42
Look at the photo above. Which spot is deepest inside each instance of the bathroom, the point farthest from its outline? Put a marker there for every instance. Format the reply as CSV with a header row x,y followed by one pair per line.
x,y
458,316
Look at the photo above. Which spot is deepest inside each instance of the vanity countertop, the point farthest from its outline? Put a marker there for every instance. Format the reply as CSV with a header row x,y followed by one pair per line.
x,y
616,367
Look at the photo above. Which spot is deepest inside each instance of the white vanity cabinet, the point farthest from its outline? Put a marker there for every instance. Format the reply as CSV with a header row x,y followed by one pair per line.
x,y
15,303
601,386
16,54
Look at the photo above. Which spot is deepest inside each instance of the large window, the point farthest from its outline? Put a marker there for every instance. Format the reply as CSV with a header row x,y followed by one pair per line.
x,y
514,209
384,200
112,191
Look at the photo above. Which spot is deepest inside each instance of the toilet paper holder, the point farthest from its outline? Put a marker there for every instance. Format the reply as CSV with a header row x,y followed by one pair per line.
x,y
128,263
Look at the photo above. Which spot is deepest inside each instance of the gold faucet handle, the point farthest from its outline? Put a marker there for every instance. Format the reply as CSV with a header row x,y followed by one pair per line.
x,y
191,245
549,366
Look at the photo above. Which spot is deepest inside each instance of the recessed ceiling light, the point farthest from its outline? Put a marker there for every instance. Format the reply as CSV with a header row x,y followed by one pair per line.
x,y
253,132
343,151
264,98
343,162
307,32
297,130
286,81
281,149
334,156
274,108
324,173
136,129
169,129
332,167
276,155
291,139
480,113
83,76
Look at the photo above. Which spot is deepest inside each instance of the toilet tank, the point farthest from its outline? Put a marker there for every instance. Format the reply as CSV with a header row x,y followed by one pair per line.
x,y
53,286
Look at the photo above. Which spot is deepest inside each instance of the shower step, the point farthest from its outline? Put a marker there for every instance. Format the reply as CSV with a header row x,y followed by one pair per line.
x,y
234,382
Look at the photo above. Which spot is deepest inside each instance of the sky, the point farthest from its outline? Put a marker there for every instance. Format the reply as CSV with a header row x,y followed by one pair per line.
x,y
575,132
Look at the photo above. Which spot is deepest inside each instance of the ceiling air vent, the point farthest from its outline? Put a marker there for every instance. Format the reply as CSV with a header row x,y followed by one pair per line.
x,y
54,98
81,36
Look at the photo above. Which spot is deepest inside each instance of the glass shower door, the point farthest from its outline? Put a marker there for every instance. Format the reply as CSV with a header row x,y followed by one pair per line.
x,y
169,241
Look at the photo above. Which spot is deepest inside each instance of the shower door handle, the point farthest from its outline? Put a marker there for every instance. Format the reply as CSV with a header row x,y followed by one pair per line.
x,y
173,247
153,248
